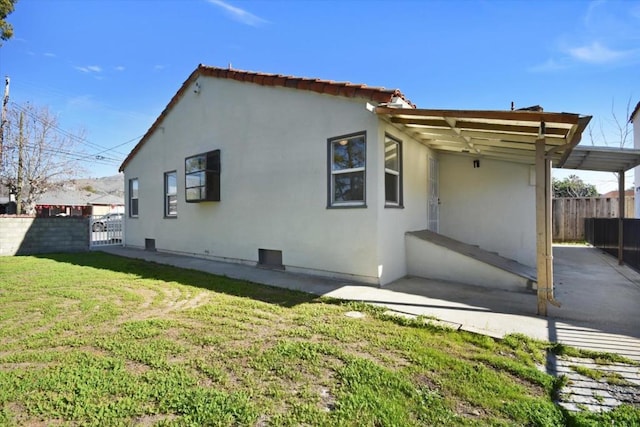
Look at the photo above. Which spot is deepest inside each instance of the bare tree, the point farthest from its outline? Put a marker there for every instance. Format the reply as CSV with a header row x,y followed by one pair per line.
x,y
613,130
613,127
38,155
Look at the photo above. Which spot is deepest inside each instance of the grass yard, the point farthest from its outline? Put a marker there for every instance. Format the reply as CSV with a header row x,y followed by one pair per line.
x,y
94,339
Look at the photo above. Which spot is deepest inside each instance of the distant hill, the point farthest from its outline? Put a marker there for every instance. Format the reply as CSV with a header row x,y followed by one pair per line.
x,y
113,185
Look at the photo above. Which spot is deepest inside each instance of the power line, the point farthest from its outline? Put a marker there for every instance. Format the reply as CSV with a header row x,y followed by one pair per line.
x,y
93,156
74,156
120,145
62,131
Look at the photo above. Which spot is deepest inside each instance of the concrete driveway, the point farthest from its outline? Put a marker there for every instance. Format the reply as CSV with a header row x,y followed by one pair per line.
x,y
600,304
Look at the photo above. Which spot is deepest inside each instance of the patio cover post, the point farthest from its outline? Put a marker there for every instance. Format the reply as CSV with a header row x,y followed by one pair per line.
x,y
544,256
621,207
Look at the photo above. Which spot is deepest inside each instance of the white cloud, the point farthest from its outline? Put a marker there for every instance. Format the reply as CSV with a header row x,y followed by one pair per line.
x,y
238,14
49,55
89,69
158,67
606,36
549,65
119,68
597,53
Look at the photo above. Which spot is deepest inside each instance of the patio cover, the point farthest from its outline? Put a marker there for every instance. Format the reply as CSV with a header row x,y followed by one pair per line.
x,y
500,135
603,159
529,136
510,136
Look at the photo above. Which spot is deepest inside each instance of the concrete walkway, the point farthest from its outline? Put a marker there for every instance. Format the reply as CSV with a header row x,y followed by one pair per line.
x,y
601,301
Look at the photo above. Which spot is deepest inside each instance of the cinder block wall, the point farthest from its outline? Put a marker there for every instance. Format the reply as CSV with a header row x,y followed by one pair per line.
x,y
23,235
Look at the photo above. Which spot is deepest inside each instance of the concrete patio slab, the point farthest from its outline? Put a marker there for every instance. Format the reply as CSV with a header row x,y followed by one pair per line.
x,y
599,312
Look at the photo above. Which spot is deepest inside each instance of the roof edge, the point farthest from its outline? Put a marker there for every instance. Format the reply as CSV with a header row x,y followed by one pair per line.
x,y
583,122
174,100
633,113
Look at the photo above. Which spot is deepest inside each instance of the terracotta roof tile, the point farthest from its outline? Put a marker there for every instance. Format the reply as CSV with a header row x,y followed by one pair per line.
x,y
329,87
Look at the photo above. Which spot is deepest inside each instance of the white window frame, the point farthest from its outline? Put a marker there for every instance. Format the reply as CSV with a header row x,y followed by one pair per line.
x,y
136,198
168,194
389,140
332,174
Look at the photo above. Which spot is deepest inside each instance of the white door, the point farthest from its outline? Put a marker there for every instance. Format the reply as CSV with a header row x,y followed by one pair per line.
x,y
433,207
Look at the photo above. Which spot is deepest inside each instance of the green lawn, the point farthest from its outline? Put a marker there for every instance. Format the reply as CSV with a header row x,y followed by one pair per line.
x,y
94,339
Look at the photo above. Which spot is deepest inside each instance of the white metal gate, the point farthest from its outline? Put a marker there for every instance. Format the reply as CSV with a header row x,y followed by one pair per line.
x,y
106,230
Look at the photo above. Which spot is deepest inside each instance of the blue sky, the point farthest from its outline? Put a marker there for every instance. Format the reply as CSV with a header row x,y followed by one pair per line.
x,y
109,67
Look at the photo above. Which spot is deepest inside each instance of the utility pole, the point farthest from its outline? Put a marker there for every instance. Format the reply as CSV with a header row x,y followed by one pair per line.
x,y
20,166
3,118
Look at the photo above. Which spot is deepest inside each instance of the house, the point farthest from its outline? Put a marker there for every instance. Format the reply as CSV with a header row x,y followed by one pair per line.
x,y
614,194
635,119
346,180
70,201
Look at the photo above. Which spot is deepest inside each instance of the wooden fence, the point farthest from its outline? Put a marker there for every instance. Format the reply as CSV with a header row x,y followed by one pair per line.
x,y
569,214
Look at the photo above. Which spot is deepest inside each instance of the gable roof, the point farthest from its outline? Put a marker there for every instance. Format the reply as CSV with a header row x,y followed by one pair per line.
x,y
329,87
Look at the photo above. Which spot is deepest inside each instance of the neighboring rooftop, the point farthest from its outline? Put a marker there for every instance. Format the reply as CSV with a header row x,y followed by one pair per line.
x,y
74,197
87,191
614,194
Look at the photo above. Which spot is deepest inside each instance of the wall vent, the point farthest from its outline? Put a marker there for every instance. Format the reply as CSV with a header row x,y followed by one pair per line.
x,y
270,258
150,245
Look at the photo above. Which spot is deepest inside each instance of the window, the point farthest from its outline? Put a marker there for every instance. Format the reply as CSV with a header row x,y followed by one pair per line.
x,y
171,194
392,172
202,177
347,164
133,197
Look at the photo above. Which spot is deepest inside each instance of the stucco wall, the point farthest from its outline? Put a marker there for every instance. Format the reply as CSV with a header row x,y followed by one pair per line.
x,y
394,222
273,144
27,235
492,206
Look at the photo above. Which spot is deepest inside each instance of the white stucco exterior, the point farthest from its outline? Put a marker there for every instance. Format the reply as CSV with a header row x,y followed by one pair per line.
x,y
273,144
492,206
394,222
